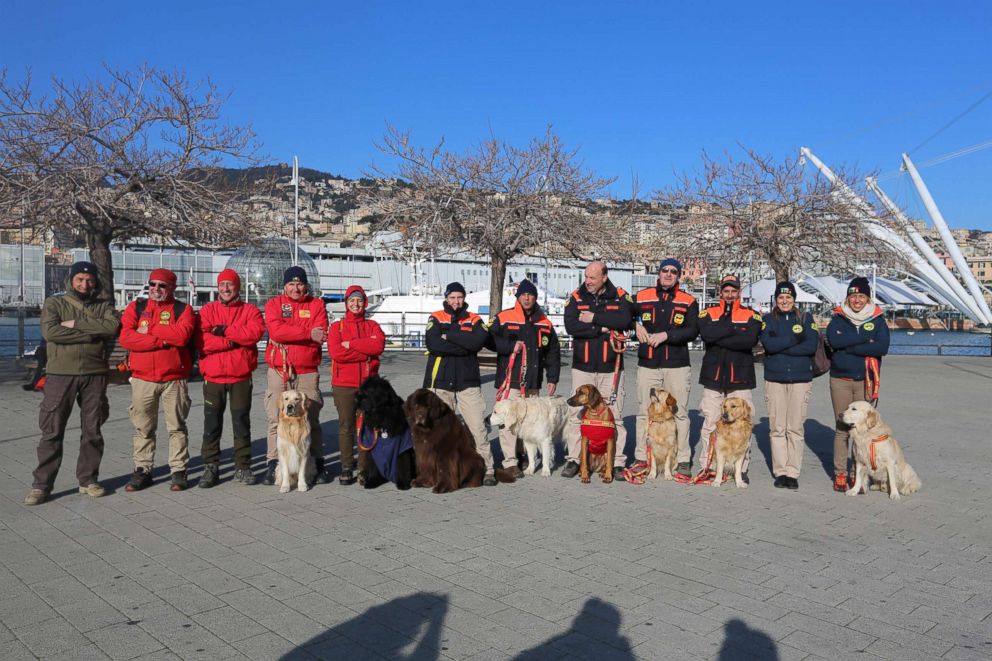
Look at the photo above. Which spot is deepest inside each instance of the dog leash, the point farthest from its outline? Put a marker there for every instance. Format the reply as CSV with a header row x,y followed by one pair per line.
x,y
703,475
618,343
359,426
285,370
639,475
504,390
873,379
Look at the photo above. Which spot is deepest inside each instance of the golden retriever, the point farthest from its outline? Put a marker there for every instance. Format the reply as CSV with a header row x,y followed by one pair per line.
x,y
537,422
661,433
733,434
877,454
599,434
293,443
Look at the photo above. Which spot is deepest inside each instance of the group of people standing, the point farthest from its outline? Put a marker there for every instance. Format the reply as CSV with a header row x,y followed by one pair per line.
x,y
163,336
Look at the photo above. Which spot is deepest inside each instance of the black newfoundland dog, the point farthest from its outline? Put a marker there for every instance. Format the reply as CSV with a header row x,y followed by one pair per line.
x,y
385,435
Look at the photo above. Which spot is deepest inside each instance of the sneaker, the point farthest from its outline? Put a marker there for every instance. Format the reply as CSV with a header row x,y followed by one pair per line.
x,y
793,484
35,497
93,489
571,469
618,474
270,472
489,480
179,482
210,477
781,482
744,478
244,476
840,482
347,476
684,468
141,479
323,475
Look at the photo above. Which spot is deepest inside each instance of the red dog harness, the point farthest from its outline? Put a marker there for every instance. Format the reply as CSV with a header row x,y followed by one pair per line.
x,y
598,432
871,449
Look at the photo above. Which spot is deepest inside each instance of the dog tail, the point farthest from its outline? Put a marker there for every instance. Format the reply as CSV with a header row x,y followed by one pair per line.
x,y
909,480
504,476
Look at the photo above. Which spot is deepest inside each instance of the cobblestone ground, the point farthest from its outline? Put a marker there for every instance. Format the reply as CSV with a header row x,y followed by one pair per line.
x,y
543,569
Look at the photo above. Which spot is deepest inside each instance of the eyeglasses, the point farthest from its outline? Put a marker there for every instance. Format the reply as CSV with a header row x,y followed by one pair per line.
x,y
158,285
672,271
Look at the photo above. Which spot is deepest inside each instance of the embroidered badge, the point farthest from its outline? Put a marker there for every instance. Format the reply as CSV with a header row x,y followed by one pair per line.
x,y
703,313
679,318
143,322
797,329
304,314
164,315
544,341
646,316
869,326
430,324
287,310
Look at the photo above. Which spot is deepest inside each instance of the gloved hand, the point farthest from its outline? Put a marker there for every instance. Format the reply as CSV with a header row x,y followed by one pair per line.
x,y
519,346
218,330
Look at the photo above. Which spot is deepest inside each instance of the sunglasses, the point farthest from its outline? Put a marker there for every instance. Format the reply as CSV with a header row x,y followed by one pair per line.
x,y
672,271
158,285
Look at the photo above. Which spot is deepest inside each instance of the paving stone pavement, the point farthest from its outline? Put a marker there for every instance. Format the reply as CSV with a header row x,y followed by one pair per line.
x,y
543,569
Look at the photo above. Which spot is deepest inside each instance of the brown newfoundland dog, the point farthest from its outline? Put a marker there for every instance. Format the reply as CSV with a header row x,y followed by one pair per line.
x,y
446,456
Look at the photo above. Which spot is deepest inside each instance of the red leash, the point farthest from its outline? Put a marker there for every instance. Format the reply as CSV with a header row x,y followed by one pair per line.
x,y
504,390
618,343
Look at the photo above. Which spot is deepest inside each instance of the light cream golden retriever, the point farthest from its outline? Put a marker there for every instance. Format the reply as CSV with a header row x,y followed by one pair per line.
x,y
877,454
733,433
538,422
293,443
662,433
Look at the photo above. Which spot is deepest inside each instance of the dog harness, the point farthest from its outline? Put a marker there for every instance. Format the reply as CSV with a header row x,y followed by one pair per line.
x,y
598,432
871,449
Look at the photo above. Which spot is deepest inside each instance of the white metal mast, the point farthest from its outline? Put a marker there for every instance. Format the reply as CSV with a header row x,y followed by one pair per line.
x,y
925,248
296,208
923,269
945,234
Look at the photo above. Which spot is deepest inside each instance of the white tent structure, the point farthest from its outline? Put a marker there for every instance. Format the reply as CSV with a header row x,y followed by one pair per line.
x,y
887,292
761,292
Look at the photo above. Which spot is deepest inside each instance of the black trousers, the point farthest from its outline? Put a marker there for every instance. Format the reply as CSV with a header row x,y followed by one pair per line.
x,y
56,407
215,399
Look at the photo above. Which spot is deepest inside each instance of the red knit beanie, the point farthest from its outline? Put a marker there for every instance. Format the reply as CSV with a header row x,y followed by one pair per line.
x,y
163,275
230,274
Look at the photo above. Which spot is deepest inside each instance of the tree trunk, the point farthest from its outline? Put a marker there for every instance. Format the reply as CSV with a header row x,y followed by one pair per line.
x,y
497,277
99,246
781,272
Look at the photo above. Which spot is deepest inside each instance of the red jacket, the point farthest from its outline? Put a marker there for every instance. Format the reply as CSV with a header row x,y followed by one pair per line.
x,y
366,342
163,353
289,324
233,356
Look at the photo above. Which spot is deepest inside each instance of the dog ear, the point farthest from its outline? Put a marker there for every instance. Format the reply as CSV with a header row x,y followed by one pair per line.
x,y
435,408
593,399
654,395
672,404
306,402
871,418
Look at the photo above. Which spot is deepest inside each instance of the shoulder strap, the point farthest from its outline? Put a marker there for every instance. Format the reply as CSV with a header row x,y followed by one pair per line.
x,y
139,307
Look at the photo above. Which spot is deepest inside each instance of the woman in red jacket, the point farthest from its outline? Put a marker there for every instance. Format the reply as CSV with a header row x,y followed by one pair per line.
x,y
355,344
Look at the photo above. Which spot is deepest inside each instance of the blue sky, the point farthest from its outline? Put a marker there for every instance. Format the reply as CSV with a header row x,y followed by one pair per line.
x,y
642,87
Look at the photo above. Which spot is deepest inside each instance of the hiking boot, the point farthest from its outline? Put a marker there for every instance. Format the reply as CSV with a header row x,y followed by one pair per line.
x,y
141,479
179,482
684,468
840,482
93,490
210,477
35,497
270,472
347,476
489,480
323,475
244,476
793,484
618,474
781,482
571,469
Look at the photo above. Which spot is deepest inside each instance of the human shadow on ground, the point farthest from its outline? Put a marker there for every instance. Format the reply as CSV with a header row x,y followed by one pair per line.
x,y
741,643
403,628
597,625
820,440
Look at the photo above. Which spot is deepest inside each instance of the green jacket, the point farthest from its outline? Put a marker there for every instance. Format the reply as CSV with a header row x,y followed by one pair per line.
x,y
81,350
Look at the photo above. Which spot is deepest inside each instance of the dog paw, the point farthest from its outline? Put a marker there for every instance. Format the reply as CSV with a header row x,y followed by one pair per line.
x,y
607,480
894,496
545,472
852,492
303,487
284,489
585,480
741,485
669,477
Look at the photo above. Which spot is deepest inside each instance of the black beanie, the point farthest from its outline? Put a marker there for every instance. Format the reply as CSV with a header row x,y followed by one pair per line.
x,y
454,287
859,285
82,267
526,287
295,274
785,287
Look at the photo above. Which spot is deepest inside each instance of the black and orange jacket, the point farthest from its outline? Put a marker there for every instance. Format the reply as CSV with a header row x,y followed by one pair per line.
x,y
453,342
614,309
671,311
730,335
537,334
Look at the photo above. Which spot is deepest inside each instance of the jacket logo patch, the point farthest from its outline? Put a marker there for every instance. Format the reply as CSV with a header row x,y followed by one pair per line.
x,y
646,316
430,324
869,326
287,310
679,318
164,315
304,314
143,323
797,329
703,313
544,340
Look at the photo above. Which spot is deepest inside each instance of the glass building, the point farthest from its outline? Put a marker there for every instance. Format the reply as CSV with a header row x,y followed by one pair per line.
x,y
261,267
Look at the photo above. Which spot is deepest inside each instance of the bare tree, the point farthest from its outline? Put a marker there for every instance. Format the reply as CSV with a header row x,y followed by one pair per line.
x,y
135,154
499,201
735,210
